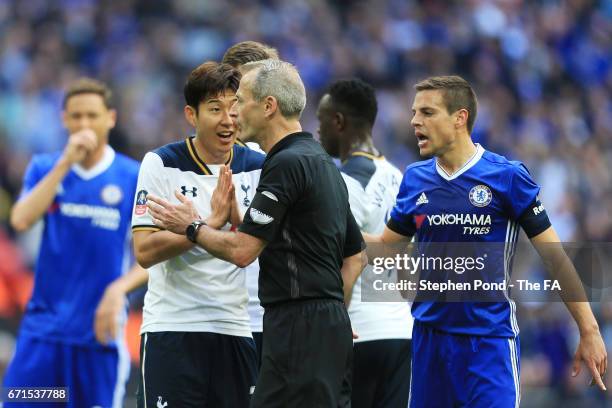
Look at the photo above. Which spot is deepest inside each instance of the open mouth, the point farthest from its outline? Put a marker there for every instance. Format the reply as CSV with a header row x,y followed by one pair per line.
x,y
226,136
421,138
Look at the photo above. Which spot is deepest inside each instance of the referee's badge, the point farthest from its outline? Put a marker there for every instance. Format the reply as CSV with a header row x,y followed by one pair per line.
x,y
260,217
480,195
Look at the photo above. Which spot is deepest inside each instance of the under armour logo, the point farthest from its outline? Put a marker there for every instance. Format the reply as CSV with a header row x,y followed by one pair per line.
x,y
193,191
246,200
159,403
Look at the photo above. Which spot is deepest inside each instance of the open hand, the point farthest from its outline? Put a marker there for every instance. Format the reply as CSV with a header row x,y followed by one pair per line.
x,y
172,217
592,351
108,313
221,200
235,215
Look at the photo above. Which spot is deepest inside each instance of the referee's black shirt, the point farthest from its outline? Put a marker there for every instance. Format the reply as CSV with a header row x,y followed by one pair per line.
x,y
301,209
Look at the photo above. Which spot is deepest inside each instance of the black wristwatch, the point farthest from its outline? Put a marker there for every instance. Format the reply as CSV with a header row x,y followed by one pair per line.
x,y
192,230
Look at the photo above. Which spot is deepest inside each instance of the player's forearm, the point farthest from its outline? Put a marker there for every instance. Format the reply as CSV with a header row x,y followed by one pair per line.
x,y
583,315
136,277
352,267
226,245
160,246
371,238
32,207
561,268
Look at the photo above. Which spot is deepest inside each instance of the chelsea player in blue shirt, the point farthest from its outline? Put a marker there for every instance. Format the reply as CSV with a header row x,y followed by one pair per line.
x,y
467,354
84,195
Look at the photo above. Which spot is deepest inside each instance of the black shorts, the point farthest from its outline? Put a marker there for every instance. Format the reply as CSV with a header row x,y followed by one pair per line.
x,y
307,356
381,373
194,369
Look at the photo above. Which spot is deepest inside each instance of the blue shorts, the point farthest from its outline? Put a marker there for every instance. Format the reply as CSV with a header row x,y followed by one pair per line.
x,y
463,371
95,377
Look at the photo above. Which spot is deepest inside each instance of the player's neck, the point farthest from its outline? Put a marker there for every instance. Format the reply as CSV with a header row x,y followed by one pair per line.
x,y
211,157
94,158
456,157
277,132
360,144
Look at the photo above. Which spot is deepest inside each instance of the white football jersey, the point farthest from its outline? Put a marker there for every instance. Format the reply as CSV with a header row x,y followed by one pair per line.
x,y
194,292
373,184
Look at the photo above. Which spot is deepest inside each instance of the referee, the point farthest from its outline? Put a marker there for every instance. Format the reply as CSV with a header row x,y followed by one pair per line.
x,y
309,245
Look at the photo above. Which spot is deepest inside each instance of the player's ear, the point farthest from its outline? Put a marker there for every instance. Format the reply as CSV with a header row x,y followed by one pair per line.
x,y
461,118
270,106
339,120
191,115
112,118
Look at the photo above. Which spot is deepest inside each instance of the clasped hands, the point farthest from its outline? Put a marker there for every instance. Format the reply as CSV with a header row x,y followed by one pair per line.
x,y
176,217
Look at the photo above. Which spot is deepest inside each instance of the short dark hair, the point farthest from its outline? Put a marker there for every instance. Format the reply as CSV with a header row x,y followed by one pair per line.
x,y
248,51
208,80
88,86
457,94
356,98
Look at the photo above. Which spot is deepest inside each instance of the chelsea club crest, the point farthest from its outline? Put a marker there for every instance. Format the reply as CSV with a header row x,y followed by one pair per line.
x,y
111,194
480,195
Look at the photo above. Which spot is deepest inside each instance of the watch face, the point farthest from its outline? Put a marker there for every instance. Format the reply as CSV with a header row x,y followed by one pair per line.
x,y
190,232
192,229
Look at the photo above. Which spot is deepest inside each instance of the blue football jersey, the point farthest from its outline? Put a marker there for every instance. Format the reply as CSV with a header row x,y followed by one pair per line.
x,y
479,204
84,245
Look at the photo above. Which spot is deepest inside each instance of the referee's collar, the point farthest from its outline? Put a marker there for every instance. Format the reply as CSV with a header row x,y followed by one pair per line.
x,y
287,141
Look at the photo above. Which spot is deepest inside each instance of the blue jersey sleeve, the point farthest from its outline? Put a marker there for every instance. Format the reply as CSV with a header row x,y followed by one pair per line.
x,y
522,192
37,169
402,217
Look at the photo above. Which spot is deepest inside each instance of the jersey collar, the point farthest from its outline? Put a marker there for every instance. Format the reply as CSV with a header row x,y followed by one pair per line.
x,y
367,155
99,168
193,153
468,165
286,141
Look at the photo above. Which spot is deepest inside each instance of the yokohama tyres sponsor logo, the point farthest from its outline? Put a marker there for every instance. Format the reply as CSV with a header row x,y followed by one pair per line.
x,y
459,219
102,217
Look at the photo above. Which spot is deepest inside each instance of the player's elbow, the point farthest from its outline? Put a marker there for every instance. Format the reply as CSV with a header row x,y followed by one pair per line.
x,y
145,263
143,258
18,221
242,259
243,262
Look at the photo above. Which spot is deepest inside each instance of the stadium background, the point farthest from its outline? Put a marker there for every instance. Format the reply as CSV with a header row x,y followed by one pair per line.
x,y
542,71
